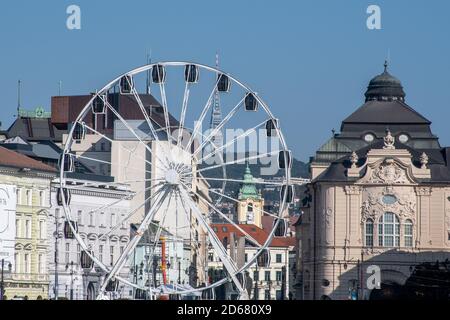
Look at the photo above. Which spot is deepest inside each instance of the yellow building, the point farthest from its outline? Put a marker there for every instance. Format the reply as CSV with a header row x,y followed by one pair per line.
x,y
29,180
251,203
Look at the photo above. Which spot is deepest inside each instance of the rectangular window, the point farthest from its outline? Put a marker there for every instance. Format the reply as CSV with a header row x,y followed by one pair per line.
x,y
27,263
80,217
67,257
41,230
267,276
102,219
121,250
30,197
100,250
42,198
28,229
210,257
16,263
369,234
113,220
408,233
111,251
40,269
256,275
246,257
18,229
19,195
78,253
279,276
91,219
279,258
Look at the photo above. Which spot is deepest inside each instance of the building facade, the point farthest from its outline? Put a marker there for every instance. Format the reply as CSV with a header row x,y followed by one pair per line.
x,y
380,201
100,213
27,182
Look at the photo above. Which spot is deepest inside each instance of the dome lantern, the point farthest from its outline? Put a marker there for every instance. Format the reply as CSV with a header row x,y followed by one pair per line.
x,y
385,87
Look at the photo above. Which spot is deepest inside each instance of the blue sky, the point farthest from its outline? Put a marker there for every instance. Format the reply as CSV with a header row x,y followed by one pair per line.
x,y
310,60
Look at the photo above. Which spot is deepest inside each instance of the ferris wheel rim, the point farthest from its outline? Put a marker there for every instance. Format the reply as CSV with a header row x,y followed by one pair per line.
x,y
133,72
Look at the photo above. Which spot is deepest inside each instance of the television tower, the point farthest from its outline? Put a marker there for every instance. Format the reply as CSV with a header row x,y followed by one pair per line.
x,y
216,115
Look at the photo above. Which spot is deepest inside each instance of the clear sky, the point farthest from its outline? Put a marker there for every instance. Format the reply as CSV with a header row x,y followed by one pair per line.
x,y
310,60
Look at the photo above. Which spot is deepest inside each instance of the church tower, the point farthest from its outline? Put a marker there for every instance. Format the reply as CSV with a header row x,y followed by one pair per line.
x,y
251,203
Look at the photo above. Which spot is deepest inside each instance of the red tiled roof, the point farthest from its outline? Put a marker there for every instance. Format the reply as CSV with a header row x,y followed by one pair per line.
x,y
13,159
224,229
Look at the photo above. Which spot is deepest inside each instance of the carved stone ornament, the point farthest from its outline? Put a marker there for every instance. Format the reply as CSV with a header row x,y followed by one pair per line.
x,y
352,190
389,173
389,141
354,159
423,191
404,205
424,160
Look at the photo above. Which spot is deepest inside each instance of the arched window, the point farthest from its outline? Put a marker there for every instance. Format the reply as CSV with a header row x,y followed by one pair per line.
x,y
389,230
369,233
408,233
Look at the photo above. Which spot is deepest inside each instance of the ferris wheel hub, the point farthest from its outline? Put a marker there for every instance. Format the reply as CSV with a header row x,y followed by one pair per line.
x,y
172,177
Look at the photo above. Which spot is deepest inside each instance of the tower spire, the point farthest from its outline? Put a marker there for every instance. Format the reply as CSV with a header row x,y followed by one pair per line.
x,y
216,115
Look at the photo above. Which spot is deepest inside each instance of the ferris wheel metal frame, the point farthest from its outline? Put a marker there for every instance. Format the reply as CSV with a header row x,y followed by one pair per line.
x,y
182,189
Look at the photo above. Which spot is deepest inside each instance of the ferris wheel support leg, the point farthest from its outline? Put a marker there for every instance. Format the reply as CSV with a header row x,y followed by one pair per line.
x,y
133,243
220,250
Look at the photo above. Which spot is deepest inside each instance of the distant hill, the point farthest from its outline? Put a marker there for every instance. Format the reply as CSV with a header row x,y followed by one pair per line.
x,y
236,171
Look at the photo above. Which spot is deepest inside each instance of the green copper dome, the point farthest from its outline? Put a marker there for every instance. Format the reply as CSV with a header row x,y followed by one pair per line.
x,y
248,189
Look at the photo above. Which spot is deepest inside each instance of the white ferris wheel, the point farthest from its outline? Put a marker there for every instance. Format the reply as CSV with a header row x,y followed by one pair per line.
x,y
176,175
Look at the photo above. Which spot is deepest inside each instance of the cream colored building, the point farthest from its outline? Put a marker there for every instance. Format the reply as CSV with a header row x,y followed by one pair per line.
x,y
30,180
380,201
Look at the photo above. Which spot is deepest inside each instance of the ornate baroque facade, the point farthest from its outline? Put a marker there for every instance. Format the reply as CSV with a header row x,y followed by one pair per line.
x,y
380,197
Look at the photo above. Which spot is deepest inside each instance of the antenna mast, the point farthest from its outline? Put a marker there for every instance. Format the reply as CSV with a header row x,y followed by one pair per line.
x,y
19,85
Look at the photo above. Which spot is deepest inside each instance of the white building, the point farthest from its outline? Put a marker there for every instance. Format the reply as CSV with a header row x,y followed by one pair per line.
x,y
96,210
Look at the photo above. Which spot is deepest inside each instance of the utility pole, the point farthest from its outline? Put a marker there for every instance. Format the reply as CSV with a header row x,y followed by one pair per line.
x,y
56,255
2,283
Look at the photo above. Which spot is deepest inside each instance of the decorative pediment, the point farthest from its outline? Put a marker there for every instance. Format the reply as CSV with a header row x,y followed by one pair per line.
x,y
92,236
388,171
388,167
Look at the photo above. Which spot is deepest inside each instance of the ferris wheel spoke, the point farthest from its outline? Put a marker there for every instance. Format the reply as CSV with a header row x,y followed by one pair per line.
x,y
249,237
127,125
222,253
186,95
230,143
238,161
131,152
219,127
162,89
108,163
158,232
134,241
147,118
255,181
191,229
202,116
132,212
